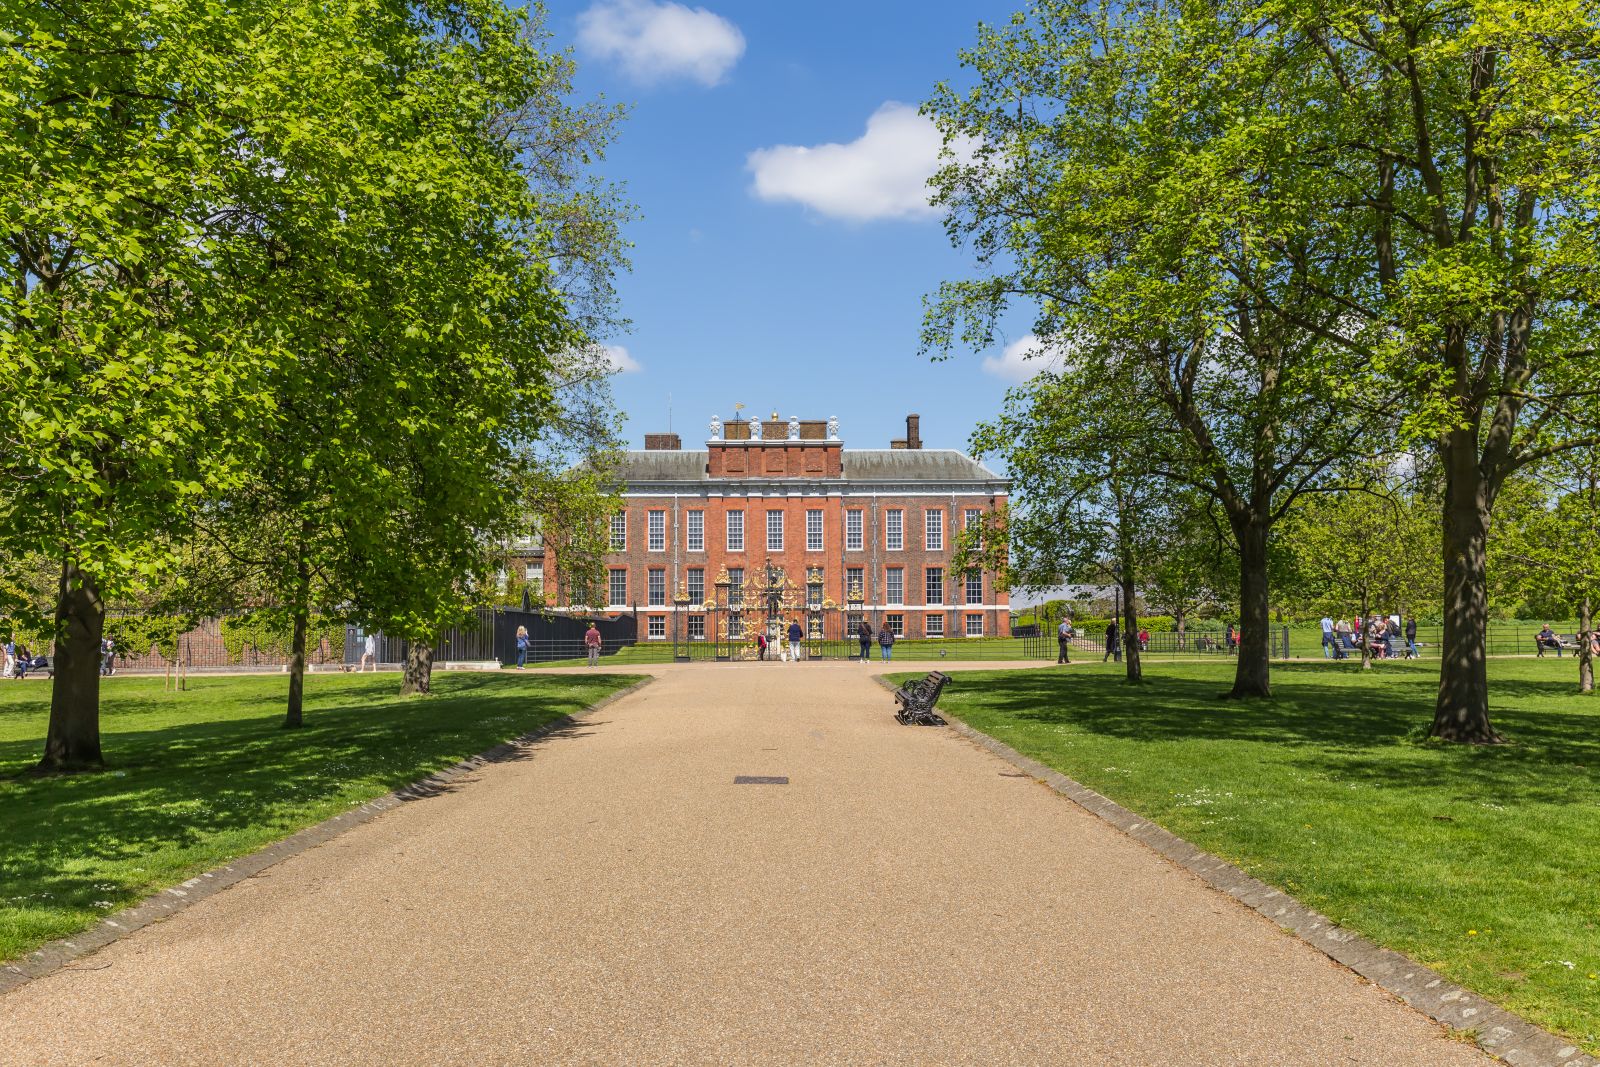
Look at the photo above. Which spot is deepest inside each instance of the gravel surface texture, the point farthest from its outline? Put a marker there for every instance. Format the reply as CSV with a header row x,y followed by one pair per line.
x,y
615,898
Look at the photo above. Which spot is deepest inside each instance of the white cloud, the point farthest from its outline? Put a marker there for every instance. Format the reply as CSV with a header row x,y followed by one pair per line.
x,y
1021,360
660,41
883,174
618,361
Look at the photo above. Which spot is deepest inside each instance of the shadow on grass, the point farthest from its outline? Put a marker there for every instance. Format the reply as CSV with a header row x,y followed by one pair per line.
x,y
229,778
1351,724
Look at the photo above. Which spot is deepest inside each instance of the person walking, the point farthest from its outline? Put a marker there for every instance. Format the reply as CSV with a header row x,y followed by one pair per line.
x,y
1327,637
11,659
864,635
761,644
108,657
369,652
886,643
591,643
1064,635
1411,637
796,636
1113,648
522,648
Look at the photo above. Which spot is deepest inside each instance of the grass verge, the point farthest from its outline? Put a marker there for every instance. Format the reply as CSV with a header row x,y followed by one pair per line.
x,y
1480,862
198,778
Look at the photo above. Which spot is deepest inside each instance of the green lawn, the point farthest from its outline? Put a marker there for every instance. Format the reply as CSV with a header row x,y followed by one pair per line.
x,y
1481,862
198,778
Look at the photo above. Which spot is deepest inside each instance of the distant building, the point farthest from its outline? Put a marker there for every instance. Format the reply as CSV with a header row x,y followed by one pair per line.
x,y
789,494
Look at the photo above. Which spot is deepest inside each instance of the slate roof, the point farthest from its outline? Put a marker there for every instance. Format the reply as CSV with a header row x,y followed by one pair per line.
x,y
860,465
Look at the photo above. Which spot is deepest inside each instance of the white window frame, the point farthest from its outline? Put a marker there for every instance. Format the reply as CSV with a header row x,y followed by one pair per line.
x,y
854,526
735,531
655,627
774,544
656,530
689,582
611,585
966,625
695,532
894,530
814,529
928,573
859,572
967,583
933,625
896,624
890,574
933,531
697,628
650,587
619,532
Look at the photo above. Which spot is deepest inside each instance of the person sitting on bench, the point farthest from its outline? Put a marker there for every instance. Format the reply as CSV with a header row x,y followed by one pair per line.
x,y
1546,638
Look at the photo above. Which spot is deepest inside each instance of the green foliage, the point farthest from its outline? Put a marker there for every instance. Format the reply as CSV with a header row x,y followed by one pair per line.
x,y
273,632
136,635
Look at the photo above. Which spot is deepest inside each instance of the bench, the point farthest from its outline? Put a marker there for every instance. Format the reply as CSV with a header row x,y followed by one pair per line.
x,y
916,700
1563,643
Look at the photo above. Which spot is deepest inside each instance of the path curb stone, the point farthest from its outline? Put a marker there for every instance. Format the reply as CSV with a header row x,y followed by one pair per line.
x,y
1500,1032
59,955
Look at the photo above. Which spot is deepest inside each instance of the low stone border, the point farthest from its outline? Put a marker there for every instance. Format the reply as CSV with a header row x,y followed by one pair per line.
x,y
1500,1032
58,955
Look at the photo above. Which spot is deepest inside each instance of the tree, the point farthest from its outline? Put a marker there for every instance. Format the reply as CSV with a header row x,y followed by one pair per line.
x,y
125,279
1454,141
1121,175
1089,508
1544,544
1376,544
426,326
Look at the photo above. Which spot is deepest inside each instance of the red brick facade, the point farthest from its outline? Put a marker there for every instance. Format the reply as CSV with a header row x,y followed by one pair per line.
x,y
803,503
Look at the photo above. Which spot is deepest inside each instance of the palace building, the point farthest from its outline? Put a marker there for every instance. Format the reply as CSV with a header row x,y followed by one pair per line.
x,y
852,532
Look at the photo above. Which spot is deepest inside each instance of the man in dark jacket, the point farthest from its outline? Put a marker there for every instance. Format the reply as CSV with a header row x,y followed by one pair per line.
x,y
1113,648
796,636
864,635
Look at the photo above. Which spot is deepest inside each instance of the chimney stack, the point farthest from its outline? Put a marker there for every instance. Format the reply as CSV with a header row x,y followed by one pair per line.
x,y
913,437
662,442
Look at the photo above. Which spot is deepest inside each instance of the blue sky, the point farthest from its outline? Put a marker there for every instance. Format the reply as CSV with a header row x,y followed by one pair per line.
x,y
783,279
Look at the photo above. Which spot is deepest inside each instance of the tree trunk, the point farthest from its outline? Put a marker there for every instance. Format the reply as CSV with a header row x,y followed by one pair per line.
x,y
297,670
1178,623
1366,633
1252,672
295,716
72,741
1585,641
1130,627
1461,712
418,678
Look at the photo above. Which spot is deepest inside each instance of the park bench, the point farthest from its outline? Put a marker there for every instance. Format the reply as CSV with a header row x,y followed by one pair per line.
x,y
916,700
1564,643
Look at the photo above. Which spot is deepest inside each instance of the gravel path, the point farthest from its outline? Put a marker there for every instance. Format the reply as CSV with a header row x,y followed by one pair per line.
x,y
616,898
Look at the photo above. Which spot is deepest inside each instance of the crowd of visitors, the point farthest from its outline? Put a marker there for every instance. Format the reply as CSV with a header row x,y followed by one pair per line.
x,y
1385,638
